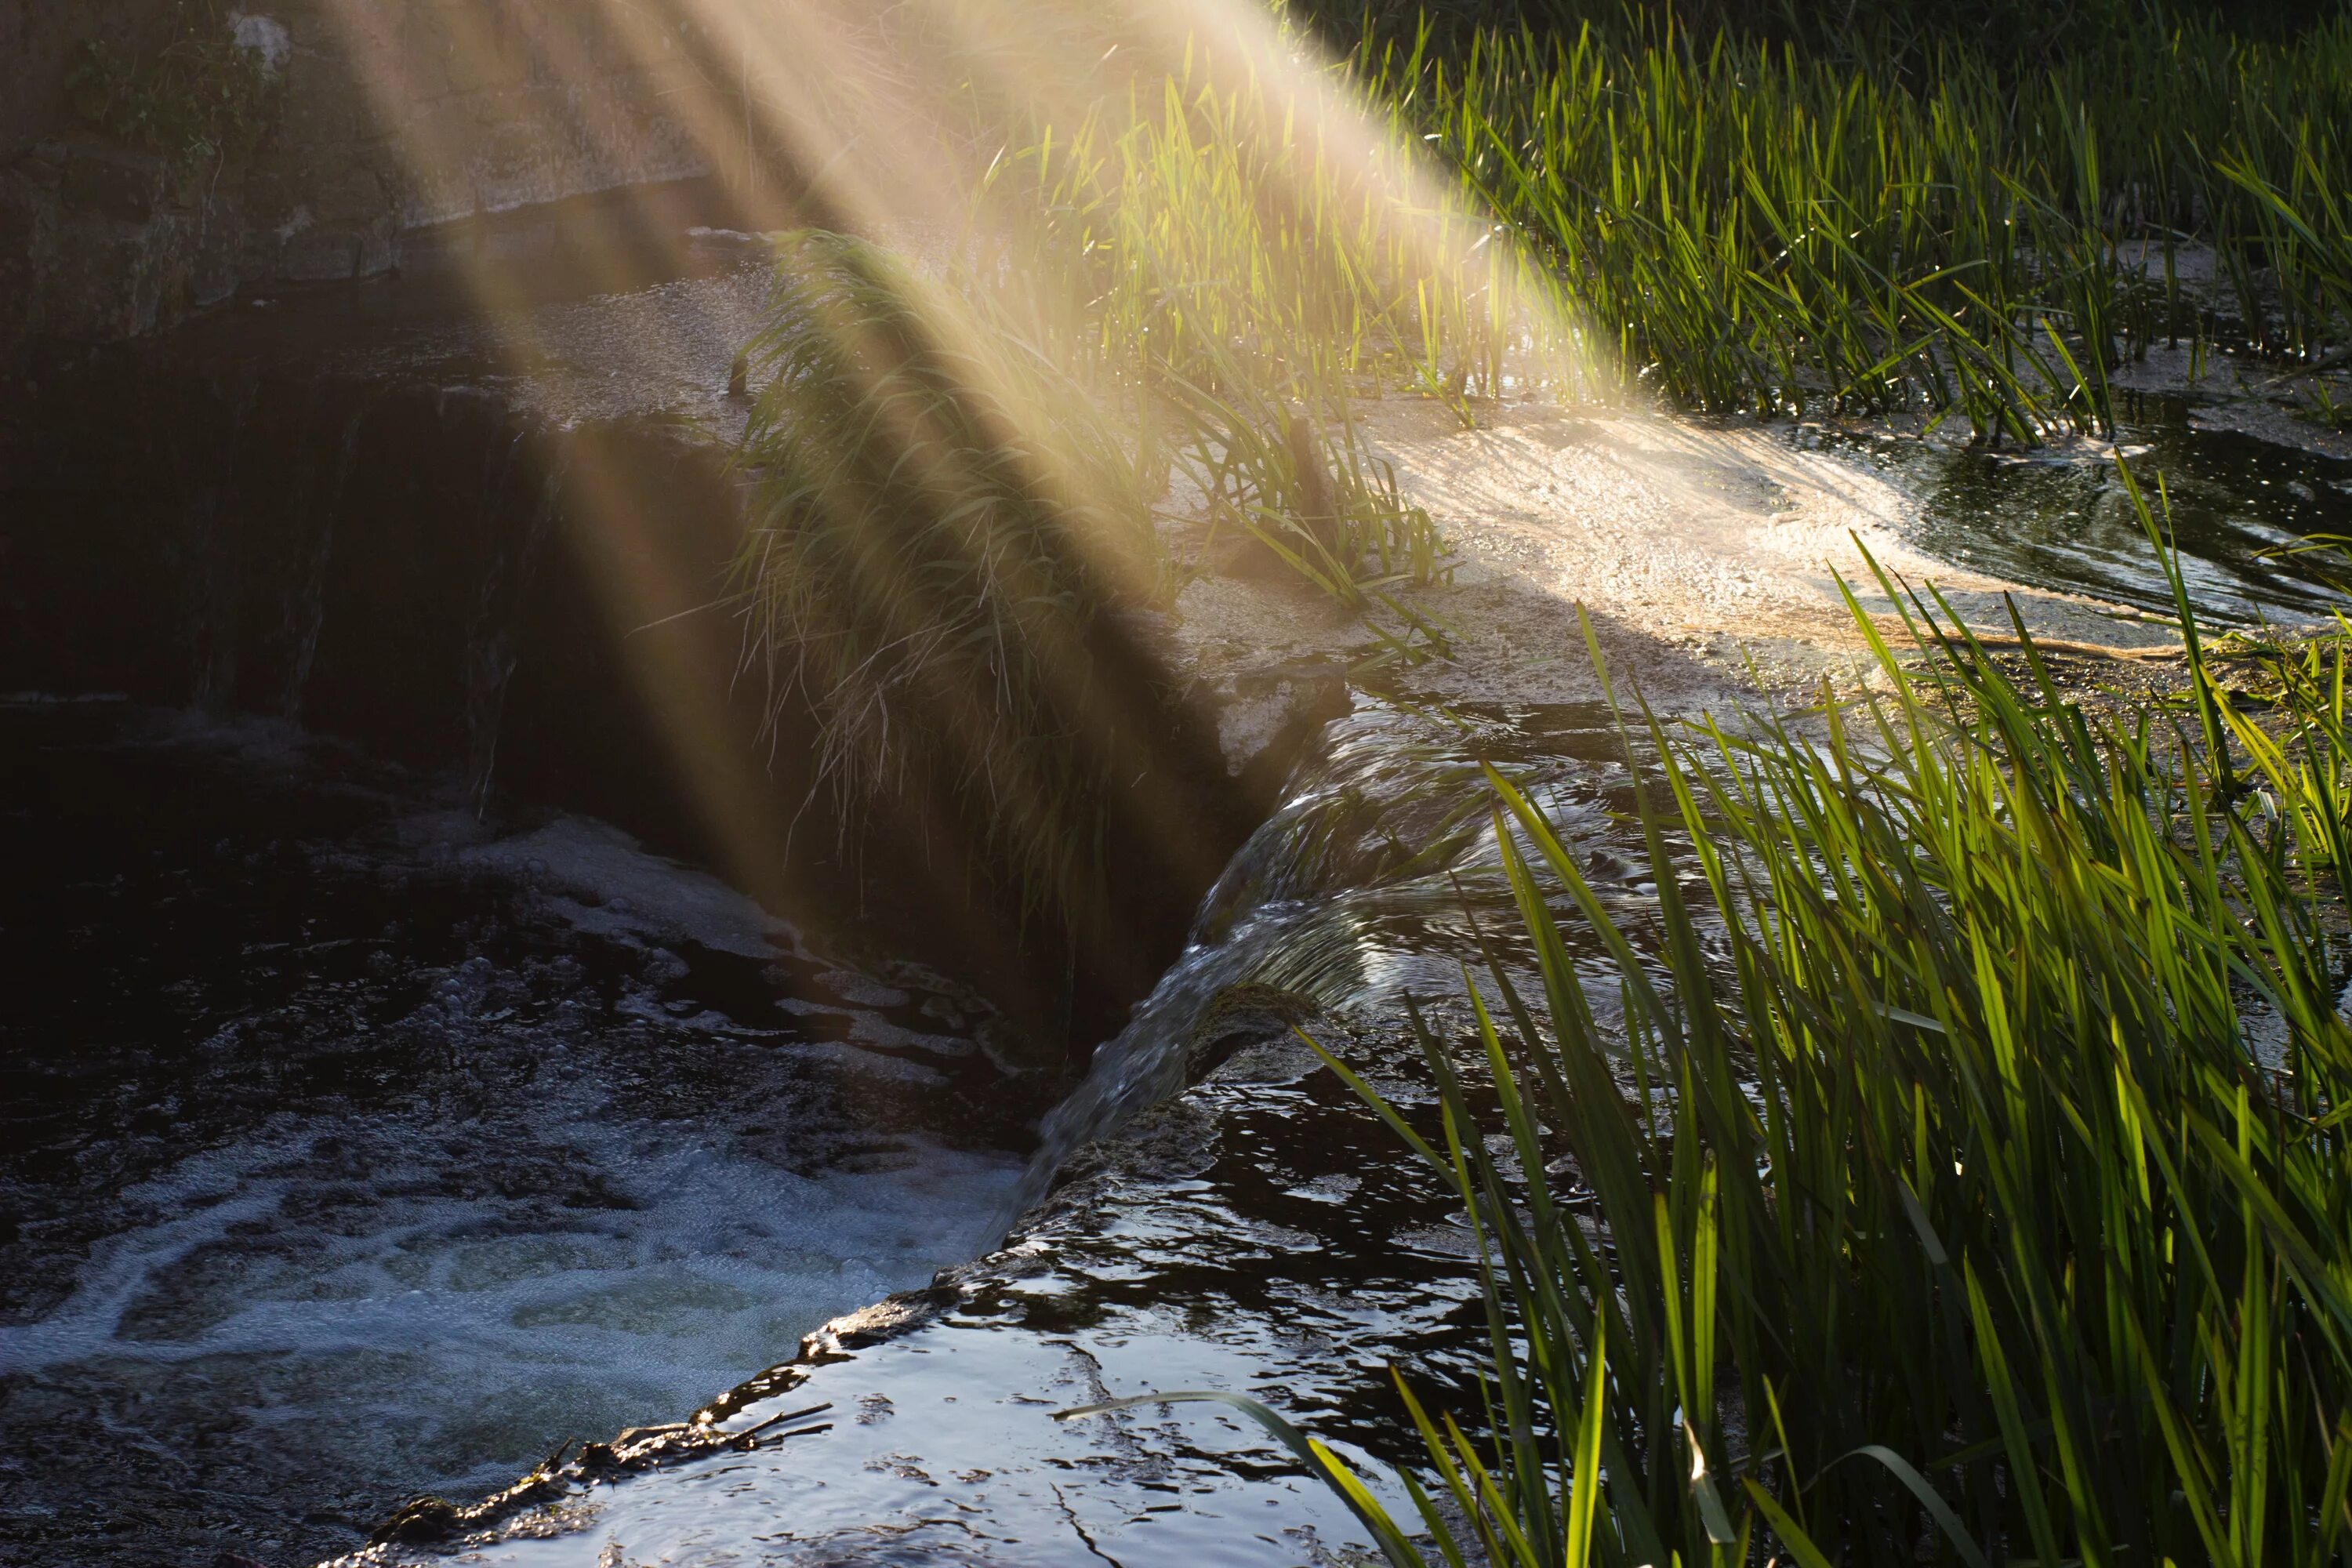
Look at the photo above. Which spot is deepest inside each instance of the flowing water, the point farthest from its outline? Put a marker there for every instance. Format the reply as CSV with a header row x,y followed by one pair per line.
x,y
356,1149
1260,1231
359,1147
2238,507
1374,879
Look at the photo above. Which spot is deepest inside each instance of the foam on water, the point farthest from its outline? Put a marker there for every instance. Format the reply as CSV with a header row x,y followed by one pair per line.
x,y
328,1269
358,1150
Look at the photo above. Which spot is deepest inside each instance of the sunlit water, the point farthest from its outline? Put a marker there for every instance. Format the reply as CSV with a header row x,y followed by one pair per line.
x,y
358,1151
2239,508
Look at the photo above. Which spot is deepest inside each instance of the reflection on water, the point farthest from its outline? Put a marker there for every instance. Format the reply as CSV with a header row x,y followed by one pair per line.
x,y
1261,1232
1375,878
2065,522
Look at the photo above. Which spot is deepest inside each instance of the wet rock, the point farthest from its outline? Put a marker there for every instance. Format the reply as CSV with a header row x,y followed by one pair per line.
x,y
884,1320
1268,713
1243,1014
423,1521
107,184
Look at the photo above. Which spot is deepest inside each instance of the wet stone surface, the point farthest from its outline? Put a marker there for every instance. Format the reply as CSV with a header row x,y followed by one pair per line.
x,y
1259,1232
354,1148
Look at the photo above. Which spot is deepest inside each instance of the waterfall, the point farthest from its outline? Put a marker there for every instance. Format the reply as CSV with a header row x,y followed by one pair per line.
x,y
305,606
1378,841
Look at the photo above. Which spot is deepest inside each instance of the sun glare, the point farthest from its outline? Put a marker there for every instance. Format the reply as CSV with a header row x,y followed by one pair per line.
x,y
1105,210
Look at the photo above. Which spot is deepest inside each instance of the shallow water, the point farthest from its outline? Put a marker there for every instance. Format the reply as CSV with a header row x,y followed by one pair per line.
x,y
2063,521
356,1150
1259,1232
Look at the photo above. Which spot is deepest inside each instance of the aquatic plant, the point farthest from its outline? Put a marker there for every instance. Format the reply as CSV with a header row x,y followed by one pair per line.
x,y
1981,1195
1764,228
937,521
1629,206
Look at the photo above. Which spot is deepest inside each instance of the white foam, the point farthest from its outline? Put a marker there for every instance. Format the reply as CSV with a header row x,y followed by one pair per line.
x,y
323,1274
617,887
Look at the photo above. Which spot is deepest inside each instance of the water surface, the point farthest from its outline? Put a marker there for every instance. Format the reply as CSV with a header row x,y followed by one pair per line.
x,y
356,1148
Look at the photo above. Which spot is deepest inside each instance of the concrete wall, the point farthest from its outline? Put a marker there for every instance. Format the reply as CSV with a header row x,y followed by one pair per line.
x,y
386,115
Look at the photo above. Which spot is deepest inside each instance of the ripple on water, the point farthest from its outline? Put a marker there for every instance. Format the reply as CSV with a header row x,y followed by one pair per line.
x,y
2066,522
1259,1232
356,1152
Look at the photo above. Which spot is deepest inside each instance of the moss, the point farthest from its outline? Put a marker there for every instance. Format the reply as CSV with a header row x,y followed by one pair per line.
x,y
197,97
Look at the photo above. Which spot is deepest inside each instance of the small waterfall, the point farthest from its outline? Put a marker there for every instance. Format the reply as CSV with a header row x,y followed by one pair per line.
x,y
306,607
1375,845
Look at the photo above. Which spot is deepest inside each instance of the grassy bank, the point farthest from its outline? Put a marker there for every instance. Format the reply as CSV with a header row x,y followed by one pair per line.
x,y
1981,1192
1198,266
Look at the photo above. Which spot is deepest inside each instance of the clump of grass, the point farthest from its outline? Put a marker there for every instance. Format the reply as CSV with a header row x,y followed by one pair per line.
x,y
939,519
1198,244
1984,1192
1765,229
1870,222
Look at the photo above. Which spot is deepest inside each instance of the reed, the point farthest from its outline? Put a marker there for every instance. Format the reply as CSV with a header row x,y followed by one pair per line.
x,y
1979,1191
1910,219
1763,228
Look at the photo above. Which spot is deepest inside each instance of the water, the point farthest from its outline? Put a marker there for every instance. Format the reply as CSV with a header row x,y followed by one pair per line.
x,y
2064,521
1259,1232
1373,879
356,1150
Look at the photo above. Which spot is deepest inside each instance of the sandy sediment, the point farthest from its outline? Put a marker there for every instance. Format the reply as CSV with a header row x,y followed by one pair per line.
x,y
1705,556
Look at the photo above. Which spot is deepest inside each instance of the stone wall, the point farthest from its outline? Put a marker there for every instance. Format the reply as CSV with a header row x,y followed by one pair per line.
x,y
381,116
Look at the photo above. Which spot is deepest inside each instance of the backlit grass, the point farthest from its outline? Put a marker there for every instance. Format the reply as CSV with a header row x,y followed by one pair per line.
x,y
1178,292
1773,229
1984,1195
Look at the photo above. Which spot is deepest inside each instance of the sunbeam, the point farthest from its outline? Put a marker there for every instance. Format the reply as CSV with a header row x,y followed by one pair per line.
x,y
1156,253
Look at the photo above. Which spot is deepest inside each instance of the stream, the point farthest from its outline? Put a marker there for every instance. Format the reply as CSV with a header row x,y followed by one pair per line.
x,y
367,1142
356,1150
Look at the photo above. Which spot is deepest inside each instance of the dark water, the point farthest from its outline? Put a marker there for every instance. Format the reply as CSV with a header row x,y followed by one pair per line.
x,y
356,1149
2238,508
1260,1233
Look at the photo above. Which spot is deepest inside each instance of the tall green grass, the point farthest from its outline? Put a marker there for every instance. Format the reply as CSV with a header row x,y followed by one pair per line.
x,y
1200,271
937,519
1625,208
1769,229
1981,1190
